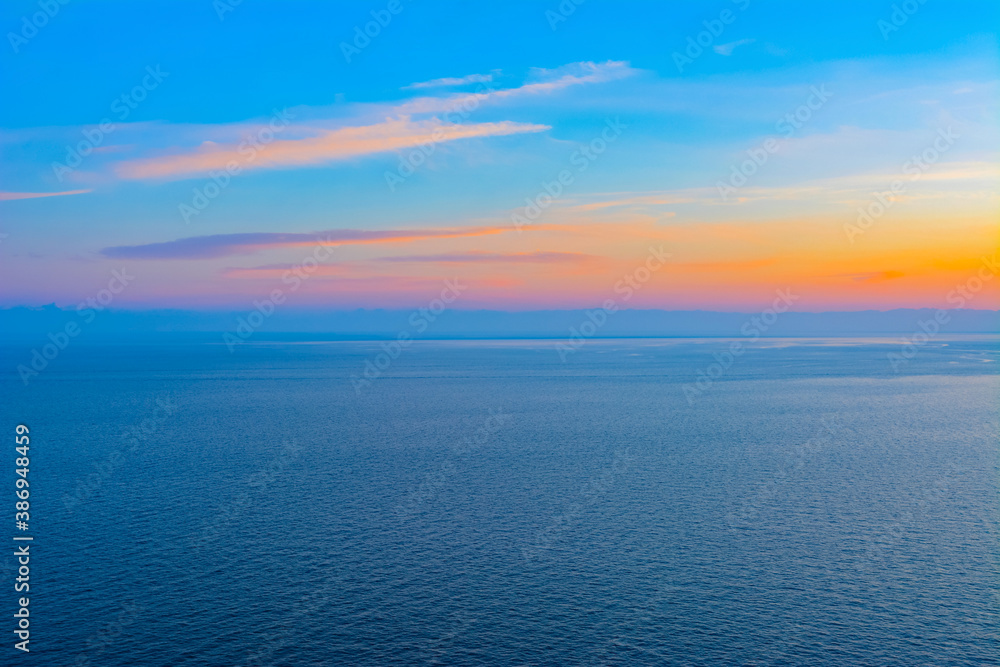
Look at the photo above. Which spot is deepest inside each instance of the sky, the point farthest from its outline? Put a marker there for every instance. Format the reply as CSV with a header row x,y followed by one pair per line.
x,y
710,154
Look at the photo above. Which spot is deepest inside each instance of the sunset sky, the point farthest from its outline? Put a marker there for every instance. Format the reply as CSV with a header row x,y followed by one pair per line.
x,y
535,156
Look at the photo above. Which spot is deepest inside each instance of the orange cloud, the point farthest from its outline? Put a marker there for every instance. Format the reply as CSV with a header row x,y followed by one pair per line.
x,y
875,276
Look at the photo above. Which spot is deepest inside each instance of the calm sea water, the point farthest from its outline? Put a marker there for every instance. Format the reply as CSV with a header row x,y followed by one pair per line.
x,y
487,503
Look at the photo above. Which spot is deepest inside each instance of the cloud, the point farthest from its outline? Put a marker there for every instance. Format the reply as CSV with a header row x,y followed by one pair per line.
x,y
326,146
637,201
10,196
727,49
735,265
315,143
577,73
545,81
493,257
450,81
874,276
271,271
222,245
967,181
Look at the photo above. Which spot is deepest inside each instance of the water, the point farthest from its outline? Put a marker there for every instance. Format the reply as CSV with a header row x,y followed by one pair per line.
x,y
486,503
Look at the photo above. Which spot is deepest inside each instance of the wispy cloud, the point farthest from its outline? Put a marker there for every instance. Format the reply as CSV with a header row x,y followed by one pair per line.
x,y
355,268
400,126
874,276
326,146
222,245
493,257
636,201
544,81
973,180
450,81
270,271
727,49
10,196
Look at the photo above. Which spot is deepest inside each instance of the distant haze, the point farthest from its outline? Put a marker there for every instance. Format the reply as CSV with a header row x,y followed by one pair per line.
x,y
25,325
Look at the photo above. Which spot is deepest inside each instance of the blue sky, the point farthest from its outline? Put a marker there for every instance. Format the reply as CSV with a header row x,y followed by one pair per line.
x,y
890,92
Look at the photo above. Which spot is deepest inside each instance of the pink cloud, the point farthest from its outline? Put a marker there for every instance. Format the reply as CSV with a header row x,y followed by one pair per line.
x,y
222,245
326,146
574,74
451,81
10,196
493,257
